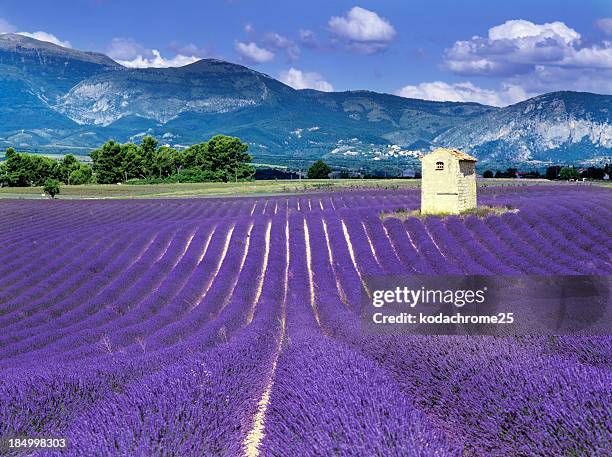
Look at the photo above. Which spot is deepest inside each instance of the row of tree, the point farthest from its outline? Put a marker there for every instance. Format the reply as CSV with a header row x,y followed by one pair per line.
x,y
555,172
222,158
21,170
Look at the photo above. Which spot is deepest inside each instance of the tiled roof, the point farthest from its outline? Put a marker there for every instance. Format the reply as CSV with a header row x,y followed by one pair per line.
x,y
456,153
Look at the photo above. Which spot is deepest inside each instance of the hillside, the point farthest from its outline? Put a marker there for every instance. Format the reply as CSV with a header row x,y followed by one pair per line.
x,y
55,99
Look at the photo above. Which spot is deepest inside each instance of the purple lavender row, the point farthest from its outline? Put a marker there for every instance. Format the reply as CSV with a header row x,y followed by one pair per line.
x,y
343,265
99,303
503,228
584,250
146,287
453,249
326,282
69,310
328,399
222,307
369,415
561,263
367,263
506,254
576,231
18,281
172,309
475,249
30,306
386,254
413,262
466,386
427,249
153,311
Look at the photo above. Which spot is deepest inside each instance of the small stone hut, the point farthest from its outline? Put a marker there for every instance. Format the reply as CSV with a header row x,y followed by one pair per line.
x,y
449,182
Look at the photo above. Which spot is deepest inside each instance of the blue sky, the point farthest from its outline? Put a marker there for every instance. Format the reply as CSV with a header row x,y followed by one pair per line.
x,y
486,51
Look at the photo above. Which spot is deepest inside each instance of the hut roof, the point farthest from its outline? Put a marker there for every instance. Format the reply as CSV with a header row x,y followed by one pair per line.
x,y
456,153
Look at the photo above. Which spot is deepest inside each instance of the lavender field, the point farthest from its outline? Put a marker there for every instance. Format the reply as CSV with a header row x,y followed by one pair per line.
x,y
228,327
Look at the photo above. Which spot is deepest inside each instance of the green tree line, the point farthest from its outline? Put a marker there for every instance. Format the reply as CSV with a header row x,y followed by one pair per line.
x,y
222,158
22,170
556,172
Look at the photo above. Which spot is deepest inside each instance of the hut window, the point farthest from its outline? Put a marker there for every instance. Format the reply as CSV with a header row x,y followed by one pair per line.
x,y
439,165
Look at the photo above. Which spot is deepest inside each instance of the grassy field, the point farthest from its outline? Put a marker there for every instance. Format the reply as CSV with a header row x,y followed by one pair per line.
x,y
235,189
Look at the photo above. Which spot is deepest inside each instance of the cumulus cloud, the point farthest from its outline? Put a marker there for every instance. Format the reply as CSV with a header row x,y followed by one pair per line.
x,y
305,80
125,49
262,48
308,38
130,53
551,78
465,92
538,57
605,25
7,27
157,61
191,49
281,42
363,30
518,28
46,36
252,53
518,46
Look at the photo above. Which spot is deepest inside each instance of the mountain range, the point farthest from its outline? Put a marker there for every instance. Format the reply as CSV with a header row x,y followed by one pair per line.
x,y
55,99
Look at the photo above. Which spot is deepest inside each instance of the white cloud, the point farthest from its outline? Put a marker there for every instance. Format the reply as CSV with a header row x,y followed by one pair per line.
x,y
465,92
6,27
364,30
278,41
519,28
552,78
48,37
305,80
157,61
518,46
253,53
605,25
125,49
308,38
190,49
130,53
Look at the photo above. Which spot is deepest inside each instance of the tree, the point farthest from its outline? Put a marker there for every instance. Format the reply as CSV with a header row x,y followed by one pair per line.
x,y
148,147
319,170
511,172
164,161
131,162
67,165
51,187
487,174
226,158
593,173
222,158
82,175
23,170
568,173
107,163
553,172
